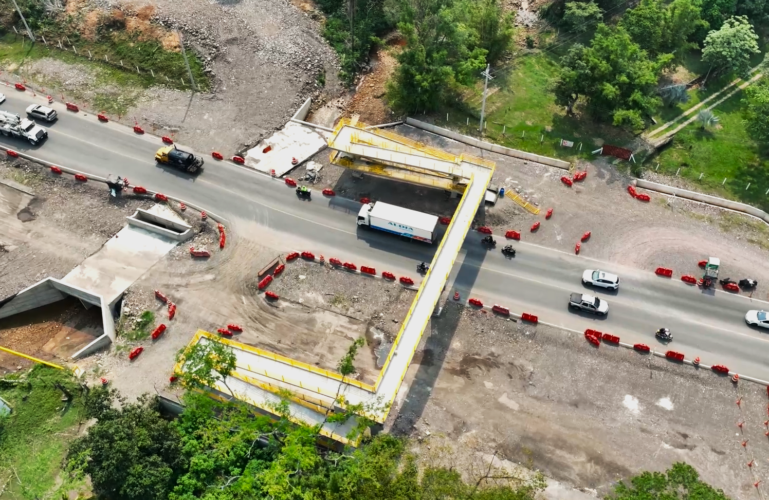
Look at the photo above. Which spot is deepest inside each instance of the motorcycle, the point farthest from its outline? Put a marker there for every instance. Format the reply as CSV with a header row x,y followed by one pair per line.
x,y
748,284
488,240
422,268
303,192
664,335
509,250
116,184
727,281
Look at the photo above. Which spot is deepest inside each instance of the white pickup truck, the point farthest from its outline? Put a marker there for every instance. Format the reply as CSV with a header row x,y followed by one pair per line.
x,y
588,303
13,125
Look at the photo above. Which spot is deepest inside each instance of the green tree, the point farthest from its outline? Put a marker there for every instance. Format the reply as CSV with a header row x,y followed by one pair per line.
x,y
731,47
436,58
683,20
129,453
757,110
707,119
491,27
581,16
206,364
675,94
715,12
645,25
679,482
614,76
664,28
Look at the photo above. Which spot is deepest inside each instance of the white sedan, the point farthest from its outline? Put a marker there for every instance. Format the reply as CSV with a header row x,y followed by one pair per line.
x,y
600,279
757,318
2,98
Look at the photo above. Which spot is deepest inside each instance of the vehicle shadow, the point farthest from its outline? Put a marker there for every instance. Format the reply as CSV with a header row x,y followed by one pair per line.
x,y
604,291
179,173
587,315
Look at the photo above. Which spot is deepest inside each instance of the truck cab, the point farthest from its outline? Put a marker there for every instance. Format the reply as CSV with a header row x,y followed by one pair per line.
x,y
171,155
364,215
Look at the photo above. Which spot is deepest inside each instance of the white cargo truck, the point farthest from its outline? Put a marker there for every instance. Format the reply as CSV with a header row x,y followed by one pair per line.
x,y
398,220
13,125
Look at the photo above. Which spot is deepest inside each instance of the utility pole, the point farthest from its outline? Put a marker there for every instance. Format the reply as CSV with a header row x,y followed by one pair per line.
x,y
485,87
29,31
186,62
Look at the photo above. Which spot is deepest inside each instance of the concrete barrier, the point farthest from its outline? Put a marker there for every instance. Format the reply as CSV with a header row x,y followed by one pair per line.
x,y
303,110
160,225
704,198
494,148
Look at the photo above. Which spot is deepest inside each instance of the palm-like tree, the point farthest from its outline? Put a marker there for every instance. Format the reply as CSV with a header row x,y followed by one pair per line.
x,y
706,118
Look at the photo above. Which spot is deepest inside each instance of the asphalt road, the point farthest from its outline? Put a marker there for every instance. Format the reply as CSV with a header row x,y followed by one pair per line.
x,y
538,280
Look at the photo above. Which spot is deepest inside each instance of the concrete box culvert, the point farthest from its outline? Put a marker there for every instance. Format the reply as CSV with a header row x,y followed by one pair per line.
x,y
158,224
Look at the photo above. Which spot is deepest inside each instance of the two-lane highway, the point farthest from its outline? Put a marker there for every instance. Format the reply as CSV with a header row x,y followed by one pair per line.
x,y
538,280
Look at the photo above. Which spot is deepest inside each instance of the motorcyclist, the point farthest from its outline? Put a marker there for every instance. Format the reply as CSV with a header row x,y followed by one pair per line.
x,y
664,333
423,267
488,239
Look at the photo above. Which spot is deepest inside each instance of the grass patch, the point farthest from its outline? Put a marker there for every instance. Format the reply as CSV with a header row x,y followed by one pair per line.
x,y
339,301
728,159
521,112
35,436
142,328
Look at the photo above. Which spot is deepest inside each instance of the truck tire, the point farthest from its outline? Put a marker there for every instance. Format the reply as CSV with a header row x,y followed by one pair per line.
x,y
192,169
33,142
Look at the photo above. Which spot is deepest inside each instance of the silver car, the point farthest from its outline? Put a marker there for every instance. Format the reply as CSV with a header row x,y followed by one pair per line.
x,y
600,279
41,113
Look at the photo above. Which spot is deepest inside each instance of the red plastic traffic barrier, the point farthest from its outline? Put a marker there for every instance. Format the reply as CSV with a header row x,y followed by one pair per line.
x,y
484,230
308,255
135,353
203,215
641,347
138,129
549,213
234,328
267,149
271,295
199,253
266,281
238,159
224,332
167,139
350,266
595,333
689,279
368,270
292,256
677,356
530,318
157,332
475,302
632,191
72,107
731,287
663,271
501,310
580,176
102,117
643,197
56,170
535,226
365,200
159,295
329,192
388,275
335,262
576,248
607,337
161,197
222,240
294,161
595,340
217,155
585,236
12,153
406,281
279,269
702,263
290,182
513,235
81,178
171,310
566,181
139,190
445,220
182,206
19,86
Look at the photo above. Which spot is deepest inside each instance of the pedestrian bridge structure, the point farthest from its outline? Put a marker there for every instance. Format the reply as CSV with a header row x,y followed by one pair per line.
x,y
263,379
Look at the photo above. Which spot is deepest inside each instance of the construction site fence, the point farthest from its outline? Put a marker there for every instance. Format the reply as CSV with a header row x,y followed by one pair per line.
x,y
494,148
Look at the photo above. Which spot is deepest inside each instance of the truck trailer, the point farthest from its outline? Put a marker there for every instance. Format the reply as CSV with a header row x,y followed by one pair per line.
x,y
398,220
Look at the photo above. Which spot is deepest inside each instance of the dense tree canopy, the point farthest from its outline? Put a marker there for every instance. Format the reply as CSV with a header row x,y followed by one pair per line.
x,y
660,27
581,16
614,76
757,110
731,47
679,482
